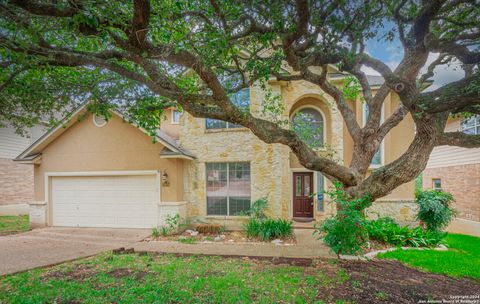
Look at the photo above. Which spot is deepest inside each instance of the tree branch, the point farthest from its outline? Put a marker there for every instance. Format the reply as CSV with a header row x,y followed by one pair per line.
x,y
140,21
459,139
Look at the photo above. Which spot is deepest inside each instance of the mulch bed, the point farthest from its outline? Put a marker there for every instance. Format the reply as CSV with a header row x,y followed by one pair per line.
x,y
393,282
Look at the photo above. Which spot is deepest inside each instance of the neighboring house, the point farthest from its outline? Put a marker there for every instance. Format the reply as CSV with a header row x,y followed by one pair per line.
x,y
16,180
93,173
457,170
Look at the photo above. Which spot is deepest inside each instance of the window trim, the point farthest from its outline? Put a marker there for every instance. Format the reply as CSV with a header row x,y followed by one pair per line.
x,y
228,185
323,148
100,125
173,117
476,125
382,144
433,184
222,129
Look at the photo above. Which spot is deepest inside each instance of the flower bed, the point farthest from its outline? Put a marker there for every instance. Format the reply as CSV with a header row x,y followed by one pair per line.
x,y
234,237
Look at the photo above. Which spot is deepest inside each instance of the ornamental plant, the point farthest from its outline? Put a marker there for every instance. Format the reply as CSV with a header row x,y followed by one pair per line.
x,y
435,210
345,232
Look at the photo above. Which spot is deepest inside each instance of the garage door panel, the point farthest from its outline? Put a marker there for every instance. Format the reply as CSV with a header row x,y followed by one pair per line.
x,y
105,201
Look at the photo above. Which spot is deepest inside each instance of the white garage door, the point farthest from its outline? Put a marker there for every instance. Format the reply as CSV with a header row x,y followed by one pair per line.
x,y
122,201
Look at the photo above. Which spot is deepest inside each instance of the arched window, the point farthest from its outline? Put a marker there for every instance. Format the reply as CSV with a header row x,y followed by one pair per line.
x,y
308,123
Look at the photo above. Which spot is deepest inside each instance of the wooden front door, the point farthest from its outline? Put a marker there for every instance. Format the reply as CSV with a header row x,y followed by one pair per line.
x,y
302,194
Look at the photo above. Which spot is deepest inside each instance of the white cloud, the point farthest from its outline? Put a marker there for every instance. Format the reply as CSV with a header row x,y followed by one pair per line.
x,y
443,74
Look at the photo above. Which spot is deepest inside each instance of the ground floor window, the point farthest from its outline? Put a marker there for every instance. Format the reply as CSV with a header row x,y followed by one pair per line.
x,y
228,188
437,184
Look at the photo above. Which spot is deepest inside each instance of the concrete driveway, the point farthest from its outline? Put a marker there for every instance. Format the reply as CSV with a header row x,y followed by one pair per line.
x,y
42,247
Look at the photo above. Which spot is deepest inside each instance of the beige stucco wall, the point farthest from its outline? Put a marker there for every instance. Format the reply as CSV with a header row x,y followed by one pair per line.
x,y
168,126
118,146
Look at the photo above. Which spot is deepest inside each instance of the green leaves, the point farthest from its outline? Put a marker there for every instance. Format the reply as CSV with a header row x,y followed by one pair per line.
x,y
351,88
434,209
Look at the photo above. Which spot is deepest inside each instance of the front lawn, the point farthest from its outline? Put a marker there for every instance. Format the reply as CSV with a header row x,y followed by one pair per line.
x,y
13,224
461,260
134,278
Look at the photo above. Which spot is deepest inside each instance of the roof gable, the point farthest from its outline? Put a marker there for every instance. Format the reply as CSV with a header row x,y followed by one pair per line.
x,y
70,120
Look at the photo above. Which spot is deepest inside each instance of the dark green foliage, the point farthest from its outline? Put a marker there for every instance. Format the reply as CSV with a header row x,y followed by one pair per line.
x,y
257,210
434,209
251,227
268,229
386,230
345,232
260,226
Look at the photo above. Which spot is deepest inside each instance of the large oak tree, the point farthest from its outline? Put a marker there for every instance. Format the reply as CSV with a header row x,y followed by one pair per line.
x,y
143,56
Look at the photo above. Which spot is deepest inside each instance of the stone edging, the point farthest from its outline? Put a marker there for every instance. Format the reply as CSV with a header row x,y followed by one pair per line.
x,y
373,254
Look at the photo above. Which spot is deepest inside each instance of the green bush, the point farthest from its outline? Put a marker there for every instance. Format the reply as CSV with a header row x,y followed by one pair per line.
x,y
252,227
275,229
386,230
434,209
257,210
268,229
345,232
260,226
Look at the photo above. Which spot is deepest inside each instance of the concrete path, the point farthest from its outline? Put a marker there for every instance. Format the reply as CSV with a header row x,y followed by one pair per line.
x,y
47,246
307,247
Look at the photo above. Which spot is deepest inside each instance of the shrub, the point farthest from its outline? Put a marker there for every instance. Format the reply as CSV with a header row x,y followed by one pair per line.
x,y
257,210
345,232
155,232
434,209
252,227
386,230
172,225
267,229
274,229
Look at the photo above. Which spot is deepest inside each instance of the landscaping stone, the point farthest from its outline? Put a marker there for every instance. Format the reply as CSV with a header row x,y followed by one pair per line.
x,y
441,248
217,239
194,233
277,242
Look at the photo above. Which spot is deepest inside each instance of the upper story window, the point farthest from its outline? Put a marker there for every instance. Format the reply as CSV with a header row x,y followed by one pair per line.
x,y
176,116
377,159
309,124
240,99
471,125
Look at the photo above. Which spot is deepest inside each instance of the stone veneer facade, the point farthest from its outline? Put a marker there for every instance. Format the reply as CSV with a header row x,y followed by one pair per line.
x,y
271,165
463,182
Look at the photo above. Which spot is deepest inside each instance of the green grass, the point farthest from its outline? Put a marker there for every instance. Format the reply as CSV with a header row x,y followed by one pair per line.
x,y
461,260
134,278
188,240
13,224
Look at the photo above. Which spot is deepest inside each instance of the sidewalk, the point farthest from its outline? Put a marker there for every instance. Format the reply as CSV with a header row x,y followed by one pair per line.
x,y
307,247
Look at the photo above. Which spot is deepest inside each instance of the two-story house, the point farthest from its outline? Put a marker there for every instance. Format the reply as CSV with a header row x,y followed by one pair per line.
x,y
16,180
457,170
97,173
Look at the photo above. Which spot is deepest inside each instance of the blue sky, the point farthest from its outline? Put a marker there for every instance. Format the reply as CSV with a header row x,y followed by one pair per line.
x,y
391,52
